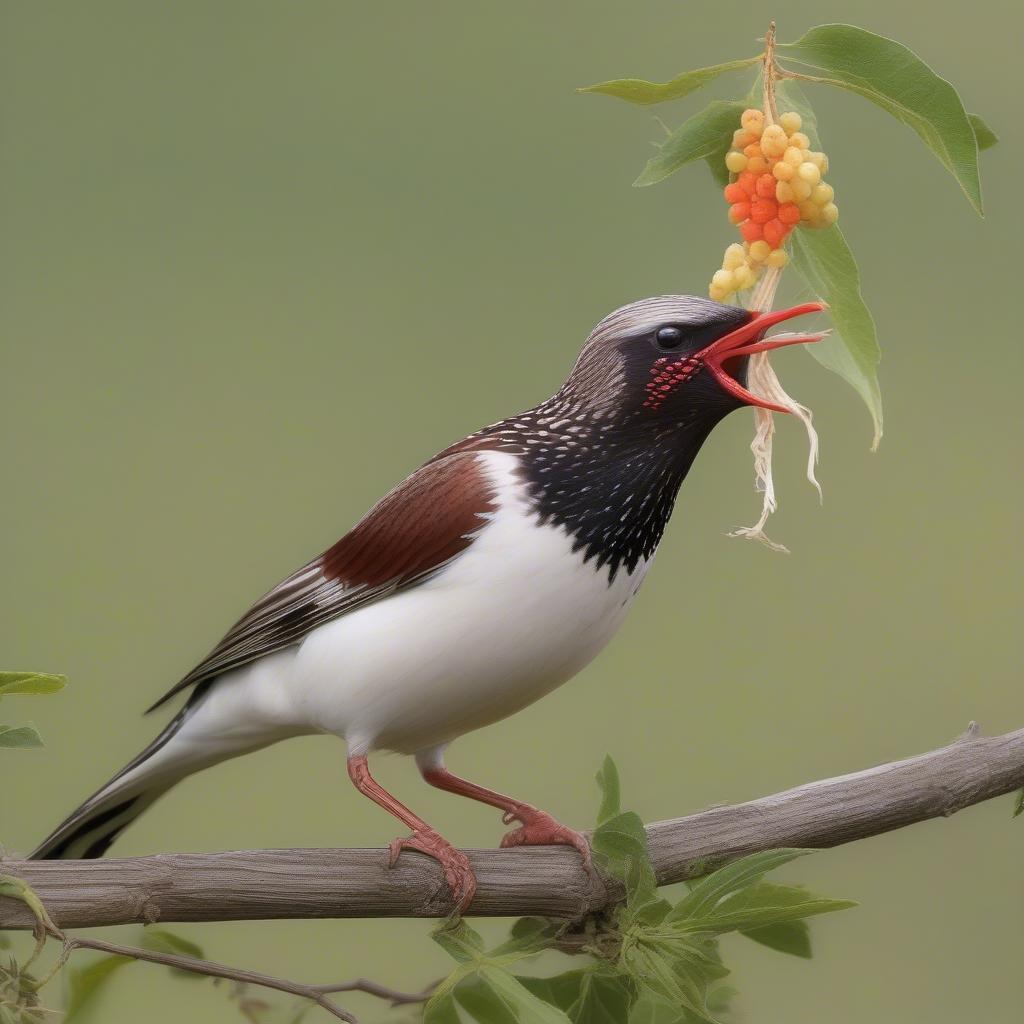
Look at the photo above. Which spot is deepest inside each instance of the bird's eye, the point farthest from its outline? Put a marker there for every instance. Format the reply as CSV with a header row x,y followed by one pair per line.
x,y
669,337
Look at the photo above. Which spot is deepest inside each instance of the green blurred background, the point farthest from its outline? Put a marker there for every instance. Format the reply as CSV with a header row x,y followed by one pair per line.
x,y
259,260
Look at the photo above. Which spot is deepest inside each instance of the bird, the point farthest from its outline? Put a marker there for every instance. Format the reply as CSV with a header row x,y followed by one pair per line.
x,y
490,576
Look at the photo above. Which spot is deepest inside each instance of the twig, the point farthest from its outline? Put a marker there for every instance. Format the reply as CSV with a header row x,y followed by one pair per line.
x,y
315,993
771,72
546,881
392,995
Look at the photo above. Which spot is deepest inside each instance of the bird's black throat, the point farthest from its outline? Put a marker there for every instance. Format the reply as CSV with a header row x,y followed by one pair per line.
x,y
610,480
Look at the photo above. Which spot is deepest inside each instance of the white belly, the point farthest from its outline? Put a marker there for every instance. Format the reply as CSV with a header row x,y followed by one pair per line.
x,y
514,616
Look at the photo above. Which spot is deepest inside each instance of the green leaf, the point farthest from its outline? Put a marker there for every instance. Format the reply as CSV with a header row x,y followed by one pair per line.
x,y
643,904
897,80
528,936
86,983
758,905
562,990
793,937
636,90
18,889
708,892
462,943
20,736
698,138
720,997
604,998
160,940
528,928
651,1010
1018,804
518,999
620,846
441,1009
789,96
608,782
619,840
716,161
824,260
986,138
654,976
30,682
479,1001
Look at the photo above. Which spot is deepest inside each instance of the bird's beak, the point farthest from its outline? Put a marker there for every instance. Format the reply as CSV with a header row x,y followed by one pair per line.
x,y
748,339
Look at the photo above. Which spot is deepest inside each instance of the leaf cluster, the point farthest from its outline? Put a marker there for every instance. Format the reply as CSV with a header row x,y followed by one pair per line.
x,y
649,961
879,69
19,986
20,683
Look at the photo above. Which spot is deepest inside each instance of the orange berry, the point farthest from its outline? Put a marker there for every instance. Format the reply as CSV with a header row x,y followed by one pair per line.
x,y
748,182
757,165
741,138
739,212
783,171
830,213
763,210
759,251
744,276
735,256
753,121
784,192
790,122
809,211
774,232
789,213
773,141
750,231
811,173
735,162
801,189
823,193
765,186
754,149
794,155
799,140
734,193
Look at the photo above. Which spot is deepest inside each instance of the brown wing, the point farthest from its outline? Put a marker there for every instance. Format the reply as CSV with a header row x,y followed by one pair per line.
x,y
411,533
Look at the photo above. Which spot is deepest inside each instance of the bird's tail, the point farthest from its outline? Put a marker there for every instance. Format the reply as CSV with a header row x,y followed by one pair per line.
x,y
88,831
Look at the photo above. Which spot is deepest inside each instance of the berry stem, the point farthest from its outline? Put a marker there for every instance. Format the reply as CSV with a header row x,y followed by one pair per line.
x,y
770,74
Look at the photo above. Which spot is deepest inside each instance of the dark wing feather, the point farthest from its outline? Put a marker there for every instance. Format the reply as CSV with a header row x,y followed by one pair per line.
x,y
410,534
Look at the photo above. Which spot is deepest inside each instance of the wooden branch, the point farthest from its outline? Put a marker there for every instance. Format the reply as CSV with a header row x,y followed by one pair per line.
x,y
546,881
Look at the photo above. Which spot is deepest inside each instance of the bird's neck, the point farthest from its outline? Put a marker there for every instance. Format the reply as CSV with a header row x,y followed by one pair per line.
x,y
610,480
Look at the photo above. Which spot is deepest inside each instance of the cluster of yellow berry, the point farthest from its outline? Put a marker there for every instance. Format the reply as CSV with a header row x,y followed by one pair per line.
x,y
777,185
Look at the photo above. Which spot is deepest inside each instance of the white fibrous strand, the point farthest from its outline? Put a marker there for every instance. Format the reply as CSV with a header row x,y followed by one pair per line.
x,y
763,382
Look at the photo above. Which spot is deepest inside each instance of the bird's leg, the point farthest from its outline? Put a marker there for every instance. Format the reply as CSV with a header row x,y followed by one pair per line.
x,y
538,827
457,872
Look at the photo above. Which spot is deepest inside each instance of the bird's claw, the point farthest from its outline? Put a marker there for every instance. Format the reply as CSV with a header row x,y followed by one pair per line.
x,y
455,864
540,829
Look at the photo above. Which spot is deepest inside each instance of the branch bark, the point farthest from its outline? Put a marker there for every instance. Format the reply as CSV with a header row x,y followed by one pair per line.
x,y
548,881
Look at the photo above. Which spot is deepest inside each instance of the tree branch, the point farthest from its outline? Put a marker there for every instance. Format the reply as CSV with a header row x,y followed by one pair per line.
x,y
546,881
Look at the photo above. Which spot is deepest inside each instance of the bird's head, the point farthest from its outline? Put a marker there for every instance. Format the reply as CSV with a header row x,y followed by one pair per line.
x,y
678,357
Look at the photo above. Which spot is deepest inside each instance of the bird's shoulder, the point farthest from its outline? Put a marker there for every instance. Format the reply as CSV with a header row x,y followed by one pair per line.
x,y
415,530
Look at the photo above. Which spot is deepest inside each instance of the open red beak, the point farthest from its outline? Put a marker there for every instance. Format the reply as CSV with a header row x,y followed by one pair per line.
x,y
747,340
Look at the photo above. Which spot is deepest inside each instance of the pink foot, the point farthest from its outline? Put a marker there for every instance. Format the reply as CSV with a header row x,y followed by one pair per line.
x,y
540,829
457,872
